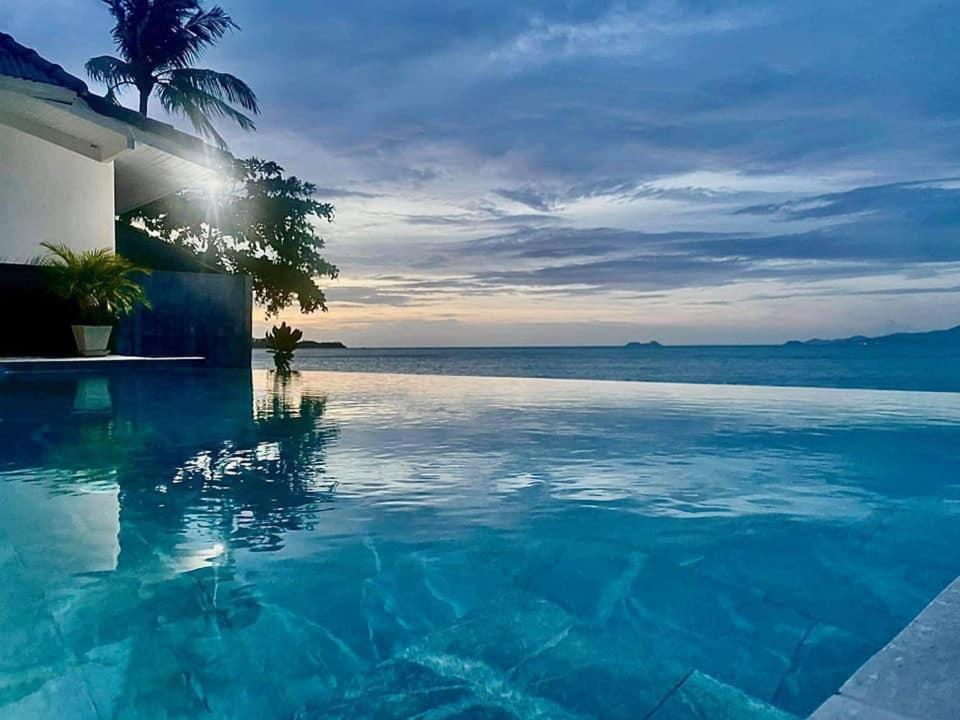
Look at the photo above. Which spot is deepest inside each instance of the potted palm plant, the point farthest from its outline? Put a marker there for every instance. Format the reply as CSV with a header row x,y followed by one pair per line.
x,y
99,285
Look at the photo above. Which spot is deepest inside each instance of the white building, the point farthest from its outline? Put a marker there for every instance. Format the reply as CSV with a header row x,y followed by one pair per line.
x,y
70,160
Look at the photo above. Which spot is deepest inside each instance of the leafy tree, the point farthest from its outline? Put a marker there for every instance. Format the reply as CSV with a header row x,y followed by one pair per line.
x,y
158,42
261,223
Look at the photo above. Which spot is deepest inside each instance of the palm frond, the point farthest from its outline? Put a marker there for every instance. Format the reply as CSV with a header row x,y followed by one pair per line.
x,y
220,85
208,26
171,33
177,102
199,106
119,10
182,31
187,29
110,71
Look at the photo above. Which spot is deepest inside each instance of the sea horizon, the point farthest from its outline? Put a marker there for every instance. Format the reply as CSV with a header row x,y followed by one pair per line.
x,y
627,345
911,367
654,342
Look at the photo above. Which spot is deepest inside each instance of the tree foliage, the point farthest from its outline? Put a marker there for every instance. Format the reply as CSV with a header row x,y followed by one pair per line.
x,y
261,223
158,42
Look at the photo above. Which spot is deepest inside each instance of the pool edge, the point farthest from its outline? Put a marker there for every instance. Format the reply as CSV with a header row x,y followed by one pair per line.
x,y
916,676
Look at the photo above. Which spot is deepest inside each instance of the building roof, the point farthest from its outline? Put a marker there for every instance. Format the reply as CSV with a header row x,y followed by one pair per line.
x,y
152,158
24,63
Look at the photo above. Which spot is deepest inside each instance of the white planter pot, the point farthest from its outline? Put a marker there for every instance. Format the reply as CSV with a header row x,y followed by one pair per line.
x,y
92,340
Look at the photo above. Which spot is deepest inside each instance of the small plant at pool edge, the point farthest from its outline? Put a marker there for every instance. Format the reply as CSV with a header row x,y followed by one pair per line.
x,y
282,340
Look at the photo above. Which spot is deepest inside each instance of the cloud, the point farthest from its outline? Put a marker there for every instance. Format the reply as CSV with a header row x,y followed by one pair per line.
x,y
364,295
529,197
925,203
617,32
637,273
333,193
561,242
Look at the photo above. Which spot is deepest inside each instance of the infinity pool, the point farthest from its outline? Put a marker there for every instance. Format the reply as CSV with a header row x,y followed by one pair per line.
x,y
334,545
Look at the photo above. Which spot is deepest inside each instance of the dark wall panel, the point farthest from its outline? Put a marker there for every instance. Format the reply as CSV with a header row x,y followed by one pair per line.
x,y
193,314
203,314
36,323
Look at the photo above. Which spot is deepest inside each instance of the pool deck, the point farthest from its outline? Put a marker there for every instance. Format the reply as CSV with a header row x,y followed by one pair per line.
x,y
87,364
915,677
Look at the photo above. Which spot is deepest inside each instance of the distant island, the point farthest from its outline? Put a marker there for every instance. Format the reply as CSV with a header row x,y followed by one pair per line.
x,y
637,344
261,344
938,338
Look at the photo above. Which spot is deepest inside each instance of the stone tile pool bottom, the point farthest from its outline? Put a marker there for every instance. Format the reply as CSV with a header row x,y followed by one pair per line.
x,y
207,544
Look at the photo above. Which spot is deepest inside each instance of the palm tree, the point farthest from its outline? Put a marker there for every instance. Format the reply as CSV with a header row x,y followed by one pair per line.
x,y
158,42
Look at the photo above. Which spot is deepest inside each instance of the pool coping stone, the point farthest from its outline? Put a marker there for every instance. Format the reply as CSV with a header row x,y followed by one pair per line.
x,y
916,676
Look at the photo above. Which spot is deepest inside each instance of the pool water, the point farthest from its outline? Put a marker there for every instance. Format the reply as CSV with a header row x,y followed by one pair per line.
x,y
335,545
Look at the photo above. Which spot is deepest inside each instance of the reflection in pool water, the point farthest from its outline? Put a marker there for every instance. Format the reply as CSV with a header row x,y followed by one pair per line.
x,y
200,544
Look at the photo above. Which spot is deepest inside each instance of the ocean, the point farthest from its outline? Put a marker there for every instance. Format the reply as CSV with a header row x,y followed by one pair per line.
x,y
837,366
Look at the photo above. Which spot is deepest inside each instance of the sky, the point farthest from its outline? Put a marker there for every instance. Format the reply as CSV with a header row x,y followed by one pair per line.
x,y
520,172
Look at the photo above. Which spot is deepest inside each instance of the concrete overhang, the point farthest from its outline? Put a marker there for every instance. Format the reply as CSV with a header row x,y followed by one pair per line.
x,y
151,159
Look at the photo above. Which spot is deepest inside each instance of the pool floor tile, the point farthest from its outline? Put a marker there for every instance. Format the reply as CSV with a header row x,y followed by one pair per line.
x,y
701,697
585,577
503,635
64,697
442,691
601,674
818,666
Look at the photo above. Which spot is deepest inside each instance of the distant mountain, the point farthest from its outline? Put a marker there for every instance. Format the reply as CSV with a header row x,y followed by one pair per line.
x,y
334,345
637,344
261,344
937,338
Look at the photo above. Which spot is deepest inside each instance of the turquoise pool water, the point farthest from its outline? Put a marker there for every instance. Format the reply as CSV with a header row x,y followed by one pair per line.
x,y
336,545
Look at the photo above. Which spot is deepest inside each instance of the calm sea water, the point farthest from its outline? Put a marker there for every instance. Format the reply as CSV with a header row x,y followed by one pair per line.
x,y
806,366
338,545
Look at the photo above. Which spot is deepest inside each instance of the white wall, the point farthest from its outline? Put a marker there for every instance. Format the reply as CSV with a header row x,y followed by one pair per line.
x,y
49,194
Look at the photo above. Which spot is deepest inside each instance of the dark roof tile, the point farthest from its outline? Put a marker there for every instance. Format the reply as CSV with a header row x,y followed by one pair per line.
x,y
21,62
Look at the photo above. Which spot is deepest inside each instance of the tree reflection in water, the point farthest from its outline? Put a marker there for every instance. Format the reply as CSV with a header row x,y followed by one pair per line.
x,y
272,481
191,467
182,448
